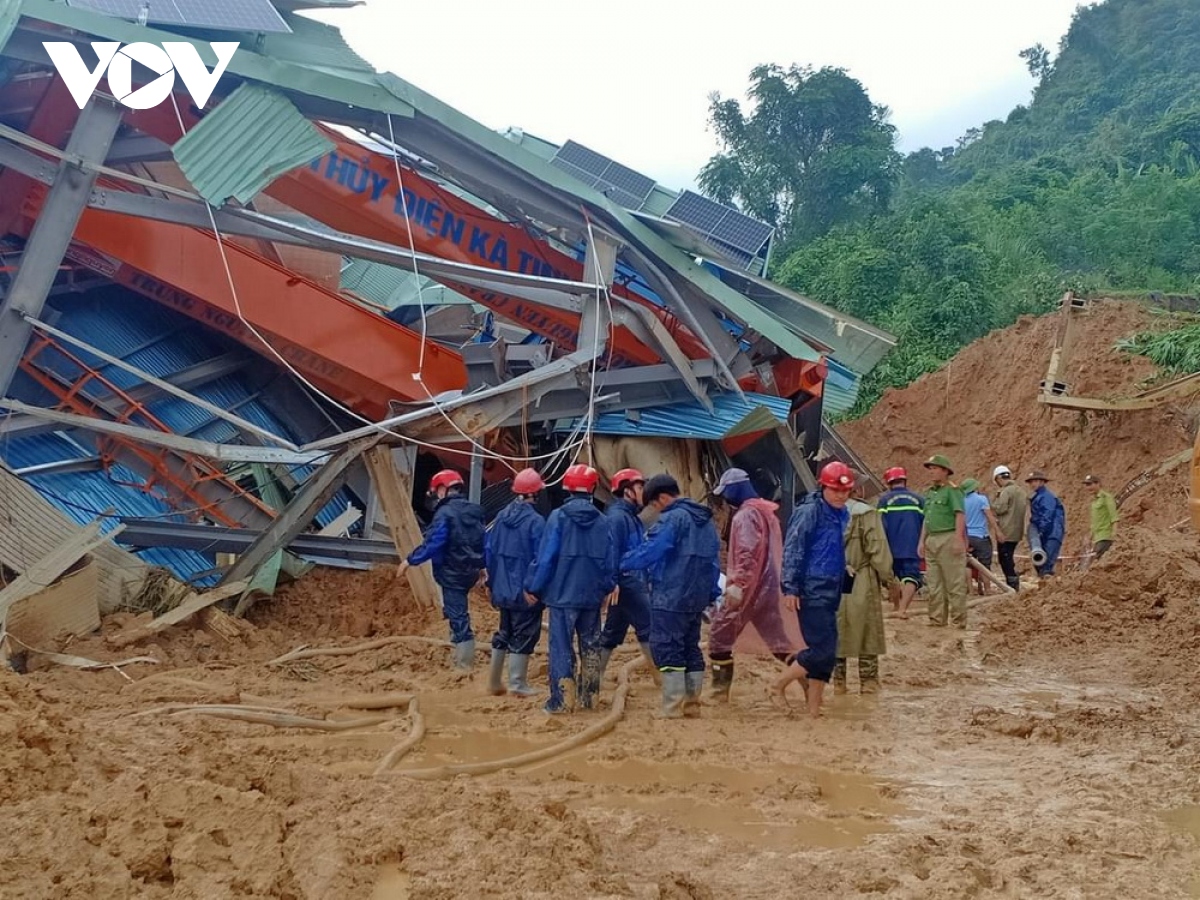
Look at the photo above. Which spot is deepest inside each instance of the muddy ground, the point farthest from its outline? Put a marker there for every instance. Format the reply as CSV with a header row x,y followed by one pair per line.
x,y
1050,751
989,767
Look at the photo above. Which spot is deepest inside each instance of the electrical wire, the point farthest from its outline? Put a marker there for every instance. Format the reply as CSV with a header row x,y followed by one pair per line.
x,y
221,246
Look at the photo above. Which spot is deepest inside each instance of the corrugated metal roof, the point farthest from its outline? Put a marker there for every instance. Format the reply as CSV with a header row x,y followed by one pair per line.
x,y
841,388
731,416
392,287
313,43
254,136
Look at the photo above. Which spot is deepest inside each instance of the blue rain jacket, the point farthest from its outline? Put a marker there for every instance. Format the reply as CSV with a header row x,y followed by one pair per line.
x,y
1047,515
453,543
511,548
628,533
902,512
682,554
577,562
814,552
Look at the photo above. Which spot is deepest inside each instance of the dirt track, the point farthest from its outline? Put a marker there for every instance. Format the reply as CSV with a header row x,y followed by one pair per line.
x,y
1050,751
980,773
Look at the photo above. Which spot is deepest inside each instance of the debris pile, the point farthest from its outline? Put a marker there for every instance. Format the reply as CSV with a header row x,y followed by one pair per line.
x,y
981,409
1135,613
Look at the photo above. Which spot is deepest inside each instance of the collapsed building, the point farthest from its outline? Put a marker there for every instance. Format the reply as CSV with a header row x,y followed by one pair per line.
x,y
261,321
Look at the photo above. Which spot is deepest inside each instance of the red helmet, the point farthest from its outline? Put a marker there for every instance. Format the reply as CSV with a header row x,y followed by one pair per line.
x,y
581,478
447,478
837,475
625,476
528,481
895,473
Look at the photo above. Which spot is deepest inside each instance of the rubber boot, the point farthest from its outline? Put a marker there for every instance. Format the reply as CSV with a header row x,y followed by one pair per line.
x,y
674,690
567,686
1014,583
693,686
518,675
839,677
644,646
722,680
496,673
589,679
605,655
868,674
463,655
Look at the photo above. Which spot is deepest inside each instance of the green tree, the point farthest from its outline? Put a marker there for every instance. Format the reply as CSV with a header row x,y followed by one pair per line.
x,y
812,152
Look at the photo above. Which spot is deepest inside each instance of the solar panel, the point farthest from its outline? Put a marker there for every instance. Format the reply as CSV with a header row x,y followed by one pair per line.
x,y
619,183
739,235
223,15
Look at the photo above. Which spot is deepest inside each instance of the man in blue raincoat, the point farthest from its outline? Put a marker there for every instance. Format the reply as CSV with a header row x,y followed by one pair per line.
x,y
511,548
1048,519
814,579
575,570
454,544
632,606
682,554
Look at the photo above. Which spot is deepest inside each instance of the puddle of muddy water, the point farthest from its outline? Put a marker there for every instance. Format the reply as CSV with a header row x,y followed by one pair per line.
x,y
392,883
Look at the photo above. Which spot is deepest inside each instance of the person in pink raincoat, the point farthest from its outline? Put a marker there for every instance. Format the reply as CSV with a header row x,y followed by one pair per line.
x,y
750,616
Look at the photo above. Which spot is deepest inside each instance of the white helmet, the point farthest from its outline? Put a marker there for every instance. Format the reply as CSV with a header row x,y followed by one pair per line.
x,y
1001,470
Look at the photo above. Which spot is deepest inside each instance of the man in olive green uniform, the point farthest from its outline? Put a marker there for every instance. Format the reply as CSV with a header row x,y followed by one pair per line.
x,y
944,546
1104,517
1011,508
860,616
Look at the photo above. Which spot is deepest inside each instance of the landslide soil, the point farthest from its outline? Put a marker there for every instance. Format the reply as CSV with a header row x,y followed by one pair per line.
x,y
1049,751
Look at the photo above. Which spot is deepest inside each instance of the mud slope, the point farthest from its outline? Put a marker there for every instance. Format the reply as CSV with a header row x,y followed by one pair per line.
x,y
981,410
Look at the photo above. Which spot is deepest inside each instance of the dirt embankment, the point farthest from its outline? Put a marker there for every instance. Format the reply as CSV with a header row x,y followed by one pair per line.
x,y
981,410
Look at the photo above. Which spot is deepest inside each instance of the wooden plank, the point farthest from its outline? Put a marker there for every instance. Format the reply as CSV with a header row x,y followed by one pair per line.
x,y
393,486
341,524
46,570
191,605
69,605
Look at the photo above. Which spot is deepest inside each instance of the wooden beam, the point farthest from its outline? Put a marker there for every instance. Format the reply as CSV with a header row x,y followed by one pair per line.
x,y
391,473
44,572
191,605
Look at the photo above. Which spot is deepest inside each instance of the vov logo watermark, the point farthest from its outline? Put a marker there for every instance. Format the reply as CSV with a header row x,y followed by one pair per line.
x,y
166,61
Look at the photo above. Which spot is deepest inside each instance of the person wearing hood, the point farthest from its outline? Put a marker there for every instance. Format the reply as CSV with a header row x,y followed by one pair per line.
x,y
682,554
814,574
752,593
510,550
631,609
454,543
1048,519
860,615
576,569
1009,508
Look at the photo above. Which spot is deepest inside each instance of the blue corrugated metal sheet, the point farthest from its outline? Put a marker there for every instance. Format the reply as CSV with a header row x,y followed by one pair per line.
x,y
691,420
161,343
841,389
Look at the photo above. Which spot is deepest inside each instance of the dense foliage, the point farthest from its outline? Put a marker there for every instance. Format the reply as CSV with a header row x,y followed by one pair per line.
x,y
1094,186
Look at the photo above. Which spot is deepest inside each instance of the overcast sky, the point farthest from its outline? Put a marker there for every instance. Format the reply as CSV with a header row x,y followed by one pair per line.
x,y
631,78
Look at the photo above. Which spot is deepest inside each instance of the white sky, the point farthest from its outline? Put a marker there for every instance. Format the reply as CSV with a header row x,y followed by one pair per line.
x,y
631,79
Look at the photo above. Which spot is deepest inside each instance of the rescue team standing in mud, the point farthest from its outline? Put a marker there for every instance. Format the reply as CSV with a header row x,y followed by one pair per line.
x,y
601,574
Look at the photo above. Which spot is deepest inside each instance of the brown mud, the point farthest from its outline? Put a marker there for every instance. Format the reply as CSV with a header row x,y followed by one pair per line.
x,y
1049,751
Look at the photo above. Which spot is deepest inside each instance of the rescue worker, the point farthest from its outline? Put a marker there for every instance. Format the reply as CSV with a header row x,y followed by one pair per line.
x,y
454,543
944,546
1009,508
510,549
814,574
860,616
576,569
981,525
631,609
682,554
1048,519
752,595
1103,517
902,512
